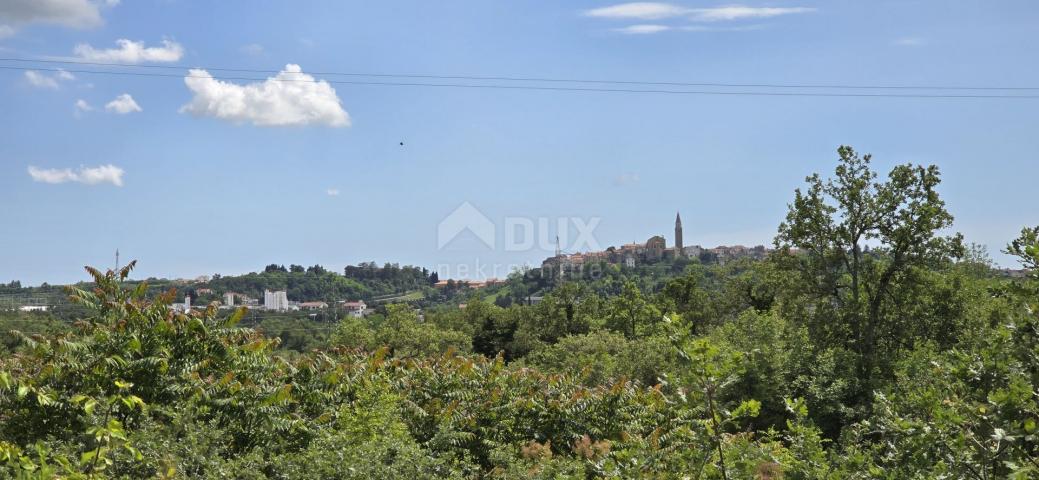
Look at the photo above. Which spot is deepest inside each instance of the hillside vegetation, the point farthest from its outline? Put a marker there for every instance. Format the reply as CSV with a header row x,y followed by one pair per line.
x,y
871,344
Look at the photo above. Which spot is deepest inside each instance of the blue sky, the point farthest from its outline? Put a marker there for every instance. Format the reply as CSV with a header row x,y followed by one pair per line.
x,y
208,185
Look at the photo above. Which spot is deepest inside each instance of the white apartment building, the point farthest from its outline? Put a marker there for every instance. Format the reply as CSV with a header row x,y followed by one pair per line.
x,y
275,300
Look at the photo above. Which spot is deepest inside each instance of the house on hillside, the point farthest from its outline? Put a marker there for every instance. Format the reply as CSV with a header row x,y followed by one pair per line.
x,y
313,305
356,309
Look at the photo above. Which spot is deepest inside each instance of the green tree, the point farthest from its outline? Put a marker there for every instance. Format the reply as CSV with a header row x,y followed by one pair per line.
x,y
603,357
495,332
970,411
687,296
353,333
1026,249
568,309
407,337
631,314
834,223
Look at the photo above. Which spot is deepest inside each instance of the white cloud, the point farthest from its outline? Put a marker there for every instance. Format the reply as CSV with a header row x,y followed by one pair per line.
x,y
333,192
129,51
253,49
82,106
70,13
739,12
6,31
88,175
643,29
40,80
657,11
289,98
908,42
122,105
639,10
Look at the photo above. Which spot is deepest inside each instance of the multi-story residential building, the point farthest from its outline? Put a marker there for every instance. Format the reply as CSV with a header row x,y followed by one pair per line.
x,y
278,301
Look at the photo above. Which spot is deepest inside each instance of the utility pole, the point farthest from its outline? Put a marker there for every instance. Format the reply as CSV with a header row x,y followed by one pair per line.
x,y
559,260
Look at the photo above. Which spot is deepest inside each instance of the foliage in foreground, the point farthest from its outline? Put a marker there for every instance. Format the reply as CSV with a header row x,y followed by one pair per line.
x,y
907,361
139,390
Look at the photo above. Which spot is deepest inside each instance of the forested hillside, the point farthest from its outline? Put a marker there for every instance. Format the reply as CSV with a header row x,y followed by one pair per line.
x,y
366,280
873,343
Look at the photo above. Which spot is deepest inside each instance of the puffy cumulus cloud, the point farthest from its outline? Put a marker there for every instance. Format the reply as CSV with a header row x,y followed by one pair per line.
x,y
122,105
82,106
291,98
129,51
332,192
70,13
643,29
87,175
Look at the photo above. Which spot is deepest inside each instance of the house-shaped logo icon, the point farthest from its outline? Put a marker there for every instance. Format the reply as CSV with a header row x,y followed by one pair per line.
x,y
465,217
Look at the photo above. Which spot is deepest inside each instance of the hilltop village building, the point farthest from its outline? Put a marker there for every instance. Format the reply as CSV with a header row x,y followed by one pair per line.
x,y
654,250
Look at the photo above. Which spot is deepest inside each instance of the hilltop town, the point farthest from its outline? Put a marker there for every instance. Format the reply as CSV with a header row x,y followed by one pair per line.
x,y
654,250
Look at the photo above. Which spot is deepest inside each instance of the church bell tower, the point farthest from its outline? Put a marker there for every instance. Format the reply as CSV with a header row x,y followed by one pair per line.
x,y
679,251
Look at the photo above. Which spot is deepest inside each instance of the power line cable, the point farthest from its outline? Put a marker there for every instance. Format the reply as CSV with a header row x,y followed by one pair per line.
x,y
538,79
548,88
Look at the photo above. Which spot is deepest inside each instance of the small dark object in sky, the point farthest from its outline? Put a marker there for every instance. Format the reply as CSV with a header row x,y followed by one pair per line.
x,y
402,144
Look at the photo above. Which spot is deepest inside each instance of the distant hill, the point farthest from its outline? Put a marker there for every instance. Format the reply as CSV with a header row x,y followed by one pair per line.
x,y
364,281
